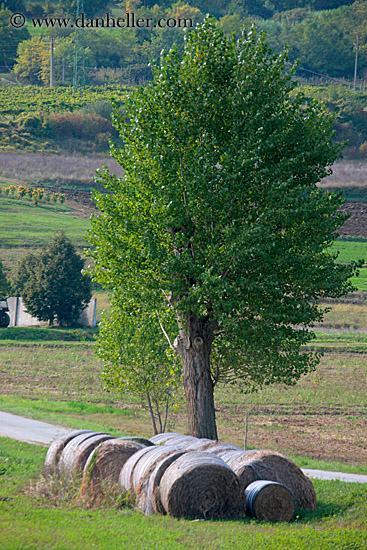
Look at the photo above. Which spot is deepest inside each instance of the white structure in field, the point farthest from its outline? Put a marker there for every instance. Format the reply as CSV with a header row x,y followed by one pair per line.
x,y
20,318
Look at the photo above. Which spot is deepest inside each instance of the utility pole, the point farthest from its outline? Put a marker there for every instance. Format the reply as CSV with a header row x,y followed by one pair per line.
x,y
79,53
63,70
356,62
52,63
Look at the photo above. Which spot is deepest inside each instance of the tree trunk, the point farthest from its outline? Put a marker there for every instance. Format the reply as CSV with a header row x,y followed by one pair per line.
x,y
194,346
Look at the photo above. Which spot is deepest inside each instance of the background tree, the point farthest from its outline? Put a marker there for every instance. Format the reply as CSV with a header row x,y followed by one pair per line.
x,y
9,38
4,284
138,360
33,61
51,283
219,215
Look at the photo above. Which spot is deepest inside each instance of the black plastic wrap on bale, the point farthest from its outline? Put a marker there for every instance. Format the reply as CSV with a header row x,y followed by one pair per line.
x,y
75,454
201,485
269,501
56,448
102,469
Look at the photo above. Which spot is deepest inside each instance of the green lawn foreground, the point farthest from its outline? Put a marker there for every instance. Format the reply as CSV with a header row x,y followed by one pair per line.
x,y
29,521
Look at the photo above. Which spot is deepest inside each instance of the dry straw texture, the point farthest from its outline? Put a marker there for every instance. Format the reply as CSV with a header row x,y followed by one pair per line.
x,y
269,501
103,467
272,466
75,454
56,448
200,485
147,476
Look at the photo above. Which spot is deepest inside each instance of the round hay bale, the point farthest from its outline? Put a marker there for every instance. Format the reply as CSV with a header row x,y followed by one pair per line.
x,y
199,444
56,448
273,466
104,465
76,453
149,478
269,501
160,439
200,485
141,440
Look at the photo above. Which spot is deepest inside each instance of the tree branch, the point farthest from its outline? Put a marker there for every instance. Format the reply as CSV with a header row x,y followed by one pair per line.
x,y
164,332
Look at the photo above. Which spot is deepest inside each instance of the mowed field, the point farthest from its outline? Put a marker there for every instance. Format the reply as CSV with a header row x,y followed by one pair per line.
x,y
53,375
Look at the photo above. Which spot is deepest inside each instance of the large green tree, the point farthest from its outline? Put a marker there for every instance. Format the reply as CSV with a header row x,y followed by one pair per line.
x,y
219,215
51,283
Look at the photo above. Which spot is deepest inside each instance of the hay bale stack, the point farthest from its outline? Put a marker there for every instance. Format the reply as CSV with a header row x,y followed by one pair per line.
x,y
161,439
76,453
273,466
269,501
56,448
200,485
103,467
147,476
137,439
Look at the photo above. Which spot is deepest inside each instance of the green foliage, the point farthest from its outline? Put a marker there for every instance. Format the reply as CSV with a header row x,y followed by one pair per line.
x,y
92,7
9,37
218,214
4,285
18,100
348,108
51,283
138,361
33,61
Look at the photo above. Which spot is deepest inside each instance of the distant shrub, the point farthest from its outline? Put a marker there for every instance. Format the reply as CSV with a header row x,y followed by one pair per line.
x,y
77,125
31,122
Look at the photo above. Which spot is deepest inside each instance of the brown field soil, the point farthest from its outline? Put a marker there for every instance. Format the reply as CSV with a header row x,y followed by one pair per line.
x,y
356,226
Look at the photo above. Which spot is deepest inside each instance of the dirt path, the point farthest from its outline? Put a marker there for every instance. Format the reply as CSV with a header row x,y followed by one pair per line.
x,y
34,431
31,431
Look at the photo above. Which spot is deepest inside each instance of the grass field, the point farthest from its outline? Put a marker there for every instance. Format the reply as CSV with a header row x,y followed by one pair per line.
x,y
29,521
